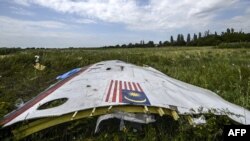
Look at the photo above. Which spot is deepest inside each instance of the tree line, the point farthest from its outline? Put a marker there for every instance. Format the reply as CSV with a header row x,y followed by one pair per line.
x,y
205,39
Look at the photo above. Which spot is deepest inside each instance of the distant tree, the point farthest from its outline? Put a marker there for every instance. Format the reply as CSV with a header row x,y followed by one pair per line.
x,y
188,38
172,40
166,43
124,46
182,38
228,36
195,37
199,35
183,42
232,30
178,38
206,33
130,45
160,43
150,44
137,44
142,42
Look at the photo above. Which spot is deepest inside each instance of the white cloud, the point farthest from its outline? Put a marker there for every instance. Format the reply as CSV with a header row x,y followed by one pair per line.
x,y
21,11
22,2
8,23
154,15
84,21
167,16
248,10
204,7
239,22
14,32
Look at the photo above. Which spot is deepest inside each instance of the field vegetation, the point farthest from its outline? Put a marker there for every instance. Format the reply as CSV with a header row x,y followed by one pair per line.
x,y
225,71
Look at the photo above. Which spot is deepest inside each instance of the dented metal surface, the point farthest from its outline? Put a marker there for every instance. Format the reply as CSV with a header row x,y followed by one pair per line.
x,y
138,118
116,83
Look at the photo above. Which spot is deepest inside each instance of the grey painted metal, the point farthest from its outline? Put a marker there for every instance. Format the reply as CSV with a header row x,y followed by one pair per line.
x,y
137,118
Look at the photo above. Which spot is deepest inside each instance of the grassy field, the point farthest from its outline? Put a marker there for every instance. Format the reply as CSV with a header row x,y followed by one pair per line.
x,y
223,71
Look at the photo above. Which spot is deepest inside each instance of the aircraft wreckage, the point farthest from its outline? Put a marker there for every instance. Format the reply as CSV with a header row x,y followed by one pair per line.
x,y
115,89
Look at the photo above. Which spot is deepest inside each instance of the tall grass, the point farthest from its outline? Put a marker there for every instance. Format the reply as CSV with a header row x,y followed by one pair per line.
x,y
224,71
234,45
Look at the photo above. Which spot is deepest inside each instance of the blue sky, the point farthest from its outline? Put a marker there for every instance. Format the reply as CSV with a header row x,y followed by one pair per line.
x,y
93,23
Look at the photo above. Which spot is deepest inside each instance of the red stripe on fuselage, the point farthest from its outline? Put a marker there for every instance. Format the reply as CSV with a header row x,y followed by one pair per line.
x,y
134,86
139,87
41,96
115,91
129,85
110,86
120,96
125,85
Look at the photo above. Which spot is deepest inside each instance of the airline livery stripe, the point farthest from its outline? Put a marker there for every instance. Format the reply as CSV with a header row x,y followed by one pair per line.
x,y
129,85
41,96
110,86
139,87
120,94
125,85
115,91
135,88
115,88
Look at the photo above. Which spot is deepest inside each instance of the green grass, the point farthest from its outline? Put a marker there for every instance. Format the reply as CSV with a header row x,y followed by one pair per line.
x,y
234,45
223,71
